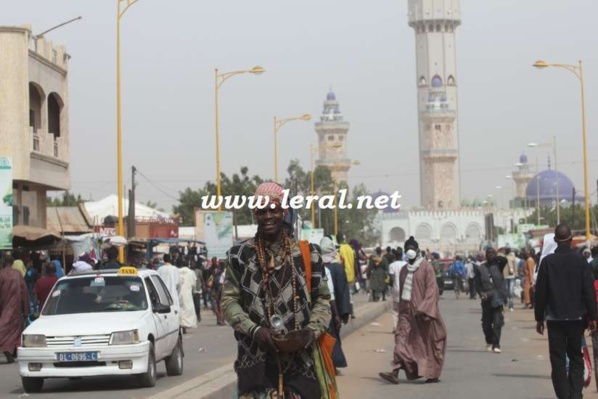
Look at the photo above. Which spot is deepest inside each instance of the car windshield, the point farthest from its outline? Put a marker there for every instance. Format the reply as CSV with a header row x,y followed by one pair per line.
x,y
96,294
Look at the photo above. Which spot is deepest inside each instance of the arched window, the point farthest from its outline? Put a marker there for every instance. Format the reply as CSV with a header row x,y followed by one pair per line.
x,y
448,233
36,102
423,232
422,81
451,80
54,110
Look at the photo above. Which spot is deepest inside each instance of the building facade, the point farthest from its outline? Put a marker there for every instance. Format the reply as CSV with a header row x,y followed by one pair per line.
x,y
448,232
332,133
435,23
34,128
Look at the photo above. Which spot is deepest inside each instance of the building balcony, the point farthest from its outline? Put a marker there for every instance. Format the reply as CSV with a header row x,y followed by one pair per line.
x,y
48,144
48,161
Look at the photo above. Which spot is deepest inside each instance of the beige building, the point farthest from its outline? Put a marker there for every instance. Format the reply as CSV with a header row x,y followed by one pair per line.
x,y
34,129
332,133
435,23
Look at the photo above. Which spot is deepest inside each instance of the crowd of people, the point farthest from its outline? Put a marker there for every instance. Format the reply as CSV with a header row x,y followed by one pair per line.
x,y
287,301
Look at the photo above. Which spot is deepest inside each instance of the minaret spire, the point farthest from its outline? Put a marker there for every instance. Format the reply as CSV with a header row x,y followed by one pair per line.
x,y
435,23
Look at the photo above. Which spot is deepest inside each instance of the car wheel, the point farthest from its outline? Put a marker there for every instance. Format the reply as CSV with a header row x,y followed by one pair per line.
x,y
174,363
32,384
148,379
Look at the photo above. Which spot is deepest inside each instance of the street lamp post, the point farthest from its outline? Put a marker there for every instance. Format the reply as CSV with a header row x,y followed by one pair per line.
x,y
119,155
278,123
219,79
556,174
577,70
312,150
356,163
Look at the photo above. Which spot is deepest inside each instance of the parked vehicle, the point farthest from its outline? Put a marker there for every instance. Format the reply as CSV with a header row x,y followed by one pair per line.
x,y
107,322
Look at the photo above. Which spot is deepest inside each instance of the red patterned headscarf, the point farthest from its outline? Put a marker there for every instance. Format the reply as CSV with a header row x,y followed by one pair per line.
x,y
273,190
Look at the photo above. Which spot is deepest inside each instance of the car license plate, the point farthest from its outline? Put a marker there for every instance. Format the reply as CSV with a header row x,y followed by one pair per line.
x,y
77,356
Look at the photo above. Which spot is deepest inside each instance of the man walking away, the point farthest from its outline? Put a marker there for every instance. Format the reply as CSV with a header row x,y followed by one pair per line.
x,y
457,273
490,286
565,298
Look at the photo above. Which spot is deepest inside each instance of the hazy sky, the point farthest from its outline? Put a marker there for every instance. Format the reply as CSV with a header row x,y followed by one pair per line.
x,y
363,49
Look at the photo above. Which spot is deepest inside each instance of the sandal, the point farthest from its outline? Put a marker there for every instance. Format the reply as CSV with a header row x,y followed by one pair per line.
x,y
390,377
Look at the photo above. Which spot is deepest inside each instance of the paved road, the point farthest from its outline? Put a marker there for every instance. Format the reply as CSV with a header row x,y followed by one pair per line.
x,y
521,371
206,348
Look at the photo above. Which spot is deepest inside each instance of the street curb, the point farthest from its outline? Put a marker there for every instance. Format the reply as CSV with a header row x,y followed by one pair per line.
x,y
221,382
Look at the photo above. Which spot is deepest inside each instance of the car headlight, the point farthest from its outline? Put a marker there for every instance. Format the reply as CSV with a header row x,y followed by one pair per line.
x,y
34,340
124,337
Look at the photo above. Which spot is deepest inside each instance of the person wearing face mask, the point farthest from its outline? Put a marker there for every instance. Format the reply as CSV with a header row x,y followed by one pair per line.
x,y
420,338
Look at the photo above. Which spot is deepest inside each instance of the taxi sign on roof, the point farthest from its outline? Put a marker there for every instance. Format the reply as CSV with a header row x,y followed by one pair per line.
x,y
127,270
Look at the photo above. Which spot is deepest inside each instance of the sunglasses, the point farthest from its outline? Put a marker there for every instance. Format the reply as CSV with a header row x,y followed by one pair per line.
x,y
276,210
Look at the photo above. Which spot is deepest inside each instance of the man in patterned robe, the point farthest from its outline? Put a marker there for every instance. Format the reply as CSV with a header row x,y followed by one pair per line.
x,y
265,294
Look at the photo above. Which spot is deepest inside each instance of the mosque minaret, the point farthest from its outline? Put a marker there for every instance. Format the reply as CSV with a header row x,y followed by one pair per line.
x,y
434,23
332,132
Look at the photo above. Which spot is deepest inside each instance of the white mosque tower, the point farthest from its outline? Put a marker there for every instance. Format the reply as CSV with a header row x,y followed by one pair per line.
x,y
435,22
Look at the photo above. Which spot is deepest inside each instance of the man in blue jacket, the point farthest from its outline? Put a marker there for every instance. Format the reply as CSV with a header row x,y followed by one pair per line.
x,y
565,299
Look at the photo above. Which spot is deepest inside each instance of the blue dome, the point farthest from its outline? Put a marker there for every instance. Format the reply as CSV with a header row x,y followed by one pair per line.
x,y
331,96
387,208
436,82
523,158
546,190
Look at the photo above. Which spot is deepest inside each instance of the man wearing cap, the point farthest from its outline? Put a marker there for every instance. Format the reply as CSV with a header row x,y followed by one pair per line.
x,y
340,302
420,339
565,299
266,295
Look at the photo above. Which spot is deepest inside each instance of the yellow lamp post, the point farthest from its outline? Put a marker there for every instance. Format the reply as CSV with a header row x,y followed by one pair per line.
x,y
278,123
122,7
312,151
219,79
356,163
577,70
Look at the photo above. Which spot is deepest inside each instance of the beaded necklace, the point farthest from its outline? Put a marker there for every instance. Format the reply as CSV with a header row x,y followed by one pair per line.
x,y
287,262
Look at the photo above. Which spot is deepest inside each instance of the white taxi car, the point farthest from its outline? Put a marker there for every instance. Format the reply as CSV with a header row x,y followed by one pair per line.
x,y
107,322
